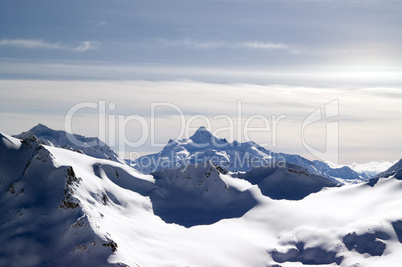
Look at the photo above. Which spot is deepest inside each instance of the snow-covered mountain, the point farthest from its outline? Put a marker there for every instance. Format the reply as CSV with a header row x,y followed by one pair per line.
x,y
235,156
42,222
90,146
62,208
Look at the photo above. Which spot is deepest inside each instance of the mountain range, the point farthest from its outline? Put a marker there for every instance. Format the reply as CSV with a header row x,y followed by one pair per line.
x,y
63,208
234,157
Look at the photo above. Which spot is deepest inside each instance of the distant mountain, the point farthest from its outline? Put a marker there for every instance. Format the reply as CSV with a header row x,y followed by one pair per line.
x,y
200,147
337,173
235,156
90,146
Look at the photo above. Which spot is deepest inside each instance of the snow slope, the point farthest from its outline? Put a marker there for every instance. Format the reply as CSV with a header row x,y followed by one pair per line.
x,y
203,146
91,146
290,182
62,208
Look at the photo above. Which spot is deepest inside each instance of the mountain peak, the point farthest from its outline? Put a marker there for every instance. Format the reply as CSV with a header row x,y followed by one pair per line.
x,y
40,127
202,131
91,146
203,136
42,130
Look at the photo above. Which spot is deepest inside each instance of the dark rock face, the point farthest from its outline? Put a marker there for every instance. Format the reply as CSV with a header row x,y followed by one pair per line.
x,y
196,195
313,255
111,244
69,201
366,243
372,182
397,225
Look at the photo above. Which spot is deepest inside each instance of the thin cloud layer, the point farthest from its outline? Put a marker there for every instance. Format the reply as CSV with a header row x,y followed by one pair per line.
x,y
269,46
199,44
87,45
306,76
188,43
40,44
266,45
30,44
364,115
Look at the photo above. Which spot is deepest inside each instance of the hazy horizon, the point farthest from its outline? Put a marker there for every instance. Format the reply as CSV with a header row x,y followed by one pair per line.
x,y
278,58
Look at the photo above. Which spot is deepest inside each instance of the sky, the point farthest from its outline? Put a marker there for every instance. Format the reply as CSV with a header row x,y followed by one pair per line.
x,y
207,58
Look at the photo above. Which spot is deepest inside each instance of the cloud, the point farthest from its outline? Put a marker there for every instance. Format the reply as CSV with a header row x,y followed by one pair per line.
x,y
87,45
325,51
299,50
197,44
291,49
372,167
265,45
30,43
311,75
40,44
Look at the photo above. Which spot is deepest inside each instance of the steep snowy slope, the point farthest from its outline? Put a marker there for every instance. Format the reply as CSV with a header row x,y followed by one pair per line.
x,y
41,221
69,209
203,146
90,146
199,194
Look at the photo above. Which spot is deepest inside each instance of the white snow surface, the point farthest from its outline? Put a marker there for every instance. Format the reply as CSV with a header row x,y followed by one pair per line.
x,y
114,221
